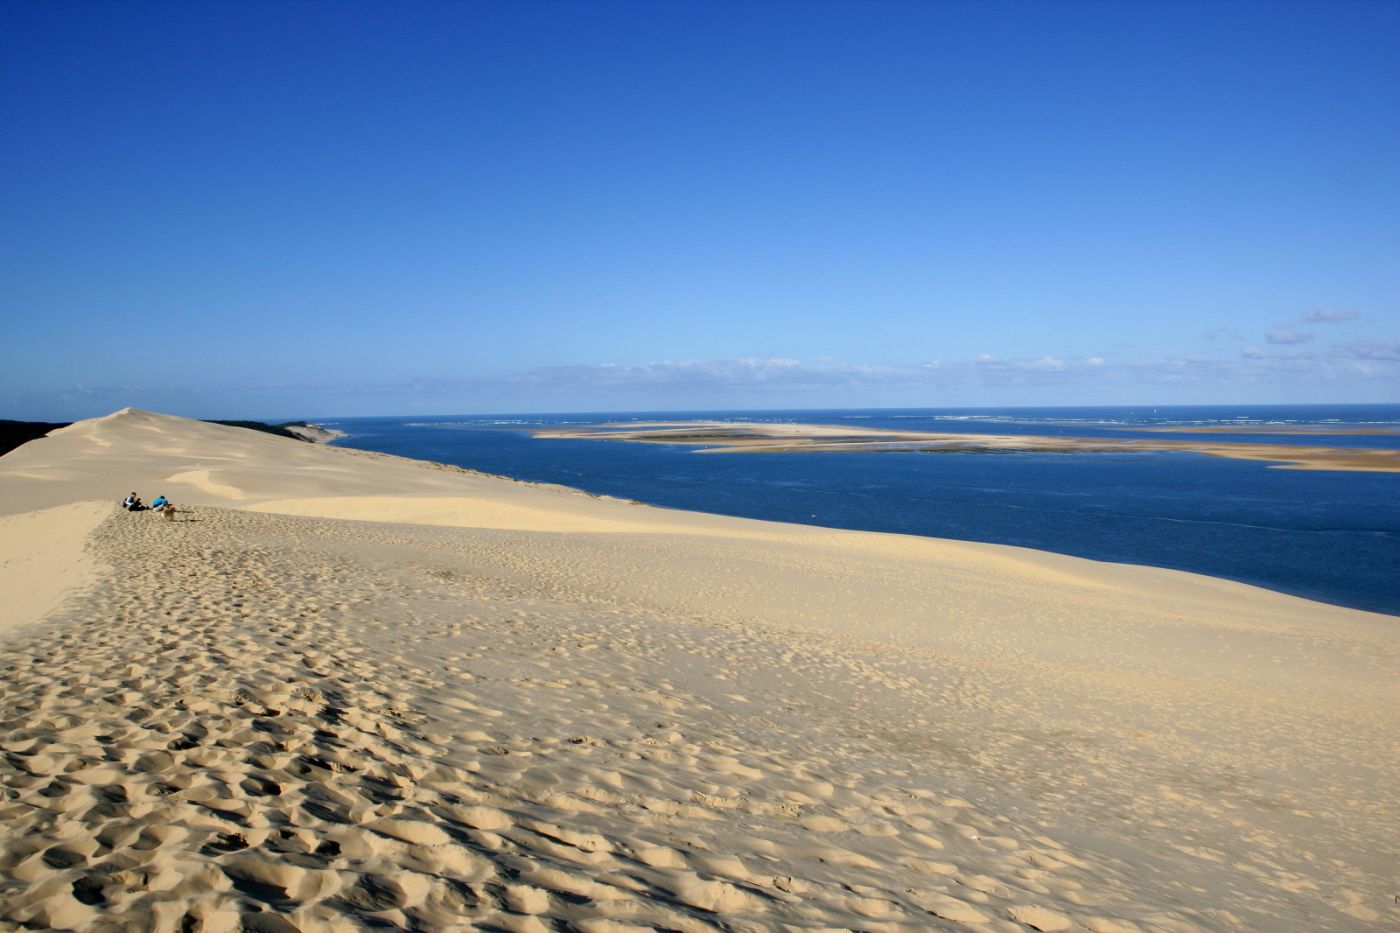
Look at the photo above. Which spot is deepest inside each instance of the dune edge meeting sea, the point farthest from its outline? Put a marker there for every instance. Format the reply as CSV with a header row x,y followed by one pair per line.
x,y
1068,480
343,689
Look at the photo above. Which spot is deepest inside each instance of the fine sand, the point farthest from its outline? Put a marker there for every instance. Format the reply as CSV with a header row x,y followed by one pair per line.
x,y
350,691
740,437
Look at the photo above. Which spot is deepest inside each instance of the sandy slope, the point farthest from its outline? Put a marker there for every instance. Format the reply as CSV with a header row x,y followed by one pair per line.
x,y
43,558
305,706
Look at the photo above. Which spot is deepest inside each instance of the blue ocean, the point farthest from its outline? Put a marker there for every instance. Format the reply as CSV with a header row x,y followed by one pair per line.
x,y
1332,536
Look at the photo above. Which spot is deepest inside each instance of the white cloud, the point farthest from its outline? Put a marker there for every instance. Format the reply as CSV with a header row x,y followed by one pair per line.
x,y
1221,332
1329,316
1383,350
1287,336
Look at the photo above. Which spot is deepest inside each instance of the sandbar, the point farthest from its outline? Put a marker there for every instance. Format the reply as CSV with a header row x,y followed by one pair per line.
x,y
738,437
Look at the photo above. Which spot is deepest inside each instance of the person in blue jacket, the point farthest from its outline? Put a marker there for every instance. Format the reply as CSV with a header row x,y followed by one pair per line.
x,y
160,504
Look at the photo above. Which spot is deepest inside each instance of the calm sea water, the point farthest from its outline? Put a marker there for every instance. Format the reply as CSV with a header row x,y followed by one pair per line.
x,y
1326,535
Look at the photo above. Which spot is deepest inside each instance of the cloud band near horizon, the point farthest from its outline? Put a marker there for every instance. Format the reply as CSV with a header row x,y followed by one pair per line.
x,y
758,382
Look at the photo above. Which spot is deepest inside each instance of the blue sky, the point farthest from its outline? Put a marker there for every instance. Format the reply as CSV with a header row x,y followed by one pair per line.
x,y
321,209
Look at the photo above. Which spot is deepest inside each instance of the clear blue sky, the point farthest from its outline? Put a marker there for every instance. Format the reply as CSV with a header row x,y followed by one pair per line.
x,y
319,209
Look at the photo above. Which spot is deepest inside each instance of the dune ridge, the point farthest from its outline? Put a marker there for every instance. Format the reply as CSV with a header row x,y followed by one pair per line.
x,y
351,690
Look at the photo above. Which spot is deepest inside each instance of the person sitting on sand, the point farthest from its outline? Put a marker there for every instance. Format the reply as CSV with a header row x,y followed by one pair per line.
x,y
161,504
133,503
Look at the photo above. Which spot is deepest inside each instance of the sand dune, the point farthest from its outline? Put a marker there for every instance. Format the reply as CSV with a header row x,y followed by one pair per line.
x,y
351,690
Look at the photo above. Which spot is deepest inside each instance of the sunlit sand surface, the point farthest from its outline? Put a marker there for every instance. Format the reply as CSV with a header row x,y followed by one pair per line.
x,y
348,690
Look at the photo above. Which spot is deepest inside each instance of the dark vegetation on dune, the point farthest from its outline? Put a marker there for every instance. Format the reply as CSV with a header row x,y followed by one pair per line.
x,y
279,429
15,433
